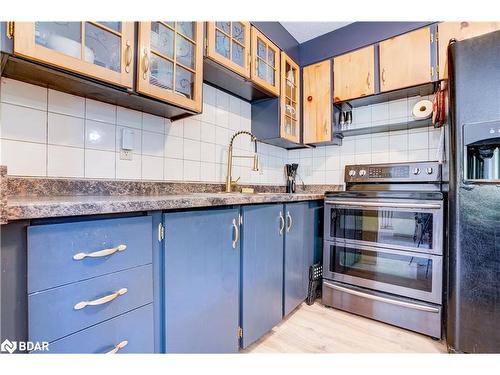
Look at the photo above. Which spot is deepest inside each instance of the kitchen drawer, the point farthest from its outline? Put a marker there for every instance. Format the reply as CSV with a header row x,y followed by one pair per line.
x,y
52,313
135,328
51,249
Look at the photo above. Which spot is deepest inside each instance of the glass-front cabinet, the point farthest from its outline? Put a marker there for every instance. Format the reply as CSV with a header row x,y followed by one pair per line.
x,y
170,62
97,49
290,93
228,43
265,63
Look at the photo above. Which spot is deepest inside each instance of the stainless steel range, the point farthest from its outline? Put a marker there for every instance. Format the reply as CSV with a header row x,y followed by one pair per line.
x,y
383,245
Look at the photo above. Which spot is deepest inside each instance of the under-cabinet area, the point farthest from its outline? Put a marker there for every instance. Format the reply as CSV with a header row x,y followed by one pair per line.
x,y
132,283
240,186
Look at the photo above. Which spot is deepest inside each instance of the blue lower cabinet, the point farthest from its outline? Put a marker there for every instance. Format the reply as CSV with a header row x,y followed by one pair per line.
x,y
262,270
128,333
60,311
202,270
303,223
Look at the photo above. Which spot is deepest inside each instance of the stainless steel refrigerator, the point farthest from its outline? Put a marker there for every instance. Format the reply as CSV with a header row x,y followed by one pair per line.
x,y
473,292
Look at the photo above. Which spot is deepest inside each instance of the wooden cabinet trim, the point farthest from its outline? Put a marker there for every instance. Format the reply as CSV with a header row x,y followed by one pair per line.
x,y
284,60
317,102
354,74
275,89
405,60
143,61
212,54
25,46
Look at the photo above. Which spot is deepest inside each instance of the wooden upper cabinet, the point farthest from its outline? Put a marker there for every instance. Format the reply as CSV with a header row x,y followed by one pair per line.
x,y
228,43
317,102
265,65
353,74
405,60
100,50
170,62
290,99
459,31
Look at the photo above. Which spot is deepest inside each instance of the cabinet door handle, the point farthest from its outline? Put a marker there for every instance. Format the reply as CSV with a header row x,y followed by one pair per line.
x,y
325,127
383,75
145,64
102,300
282,223
236,234
100,253
368,83
290,221
118,347
128,53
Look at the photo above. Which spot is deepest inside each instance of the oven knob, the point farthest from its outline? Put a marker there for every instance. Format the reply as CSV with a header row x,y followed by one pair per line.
x,y
416,171
362,172
429,170
352,173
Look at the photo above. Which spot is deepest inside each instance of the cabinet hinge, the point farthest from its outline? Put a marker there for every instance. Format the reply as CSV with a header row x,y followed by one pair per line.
x,y
240,332
10,29
432,37
432,71
161,232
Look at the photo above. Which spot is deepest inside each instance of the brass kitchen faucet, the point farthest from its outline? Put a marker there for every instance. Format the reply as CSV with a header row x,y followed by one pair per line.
x,y
229,181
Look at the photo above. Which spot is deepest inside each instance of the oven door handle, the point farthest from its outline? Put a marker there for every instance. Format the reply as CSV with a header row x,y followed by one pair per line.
x,y
384,204
410,305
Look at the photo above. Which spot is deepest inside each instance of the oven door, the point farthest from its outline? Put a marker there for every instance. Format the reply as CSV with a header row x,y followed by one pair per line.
x,y
405,224
405,273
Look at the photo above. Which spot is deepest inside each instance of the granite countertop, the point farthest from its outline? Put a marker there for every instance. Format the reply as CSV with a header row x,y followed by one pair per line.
x,y
32,207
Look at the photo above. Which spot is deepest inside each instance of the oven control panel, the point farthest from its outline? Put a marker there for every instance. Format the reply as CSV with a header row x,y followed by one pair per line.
x,y
398,172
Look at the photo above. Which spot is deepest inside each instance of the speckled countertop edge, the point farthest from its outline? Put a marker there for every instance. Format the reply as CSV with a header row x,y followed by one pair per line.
x,y
40,197
19,208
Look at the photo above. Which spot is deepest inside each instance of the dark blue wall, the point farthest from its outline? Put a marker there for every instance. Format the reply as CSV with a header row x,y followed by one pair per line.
x,y
281,37
351,37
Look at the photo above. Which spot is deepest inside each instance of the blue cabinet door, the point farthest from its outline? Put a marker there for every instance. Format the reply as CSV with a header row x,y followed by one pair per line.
x,y
262,270
201,291
302,237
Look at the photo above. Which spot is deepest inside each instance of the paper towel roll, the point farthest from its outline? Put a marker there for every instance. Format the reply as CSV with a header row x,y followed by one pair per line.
x,y
422,109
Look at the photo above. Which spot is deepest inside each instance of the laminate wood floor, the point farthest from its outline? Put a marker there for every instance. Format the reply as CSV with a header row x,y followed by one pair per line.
x,y
319,329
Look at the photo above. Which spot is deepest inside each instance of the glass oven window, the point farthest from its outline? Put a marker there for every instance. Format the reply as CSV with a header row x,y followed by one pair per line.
x,y
387,226
408,271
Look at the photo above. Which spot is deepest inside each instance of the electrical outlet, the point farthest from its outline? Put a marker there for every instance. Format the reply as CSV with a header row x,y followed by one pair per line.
x,y
126,155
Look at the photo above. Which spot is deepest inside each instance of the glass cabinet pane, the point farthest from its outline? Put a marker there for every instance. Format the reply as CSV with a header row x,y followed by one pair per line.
x,y
224,26
184,52
261,49
161,72
162,39
261,69
184,81
238,54
222,44
270,56
116,26
102,47
186,29
270,75
63,37
239,32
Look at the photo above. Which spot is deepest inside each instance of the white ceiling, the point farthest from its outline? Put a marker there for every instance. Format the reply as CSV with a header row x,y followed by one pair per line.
x,y
304,31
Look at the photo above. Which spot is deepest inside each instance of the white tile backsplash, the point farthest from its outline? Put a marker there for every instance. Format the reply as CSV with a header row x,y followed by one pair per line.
x,y
65,161
66,130
50,133
23,94
66,104
23,123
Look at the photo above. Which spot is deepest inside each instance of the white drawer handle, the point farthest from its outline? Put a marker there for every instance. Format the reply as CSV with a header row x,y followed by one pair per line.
x,y
100,253
118,347
100,301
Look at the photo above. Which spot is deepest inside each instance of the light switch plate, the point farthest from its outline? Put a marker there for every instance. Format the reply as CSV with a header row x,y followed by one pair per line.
x,y
127,139
126,155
